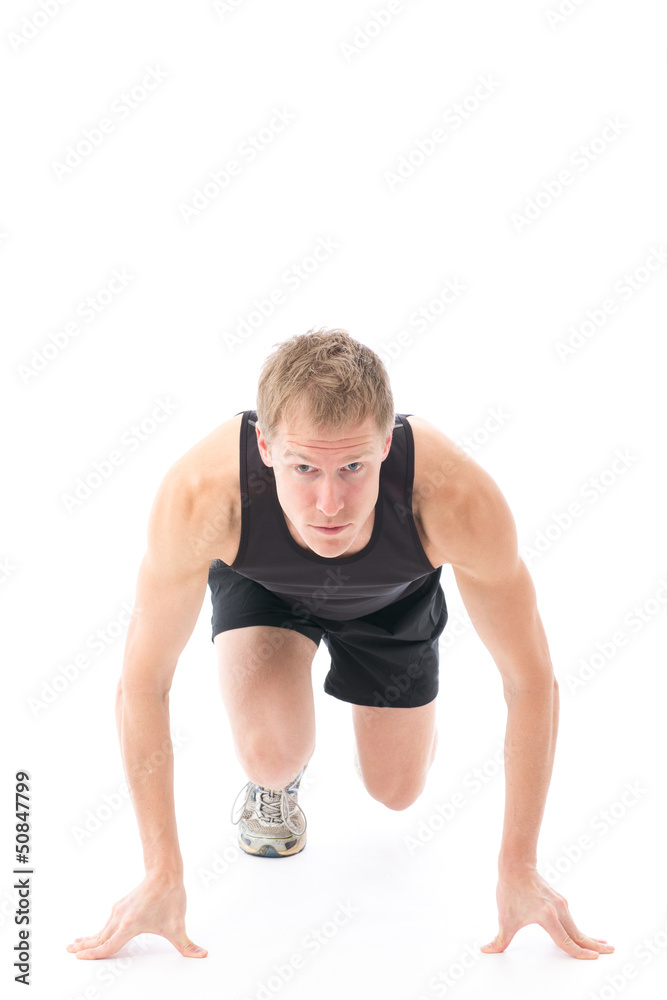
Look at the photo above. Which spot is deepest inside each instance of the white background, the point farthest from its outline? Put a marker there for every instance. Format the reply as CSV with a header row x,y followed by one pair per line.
x,y
165,336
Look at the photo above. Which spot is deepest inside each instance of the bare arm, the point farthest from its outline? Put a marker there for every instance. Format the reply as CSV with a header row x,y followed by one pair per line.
x,y
505,616
504,613
470,521
165,613
170,590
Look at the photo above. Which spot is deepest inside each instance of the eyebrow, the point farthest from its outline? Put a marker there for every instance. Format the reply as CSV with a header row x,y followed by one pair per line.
x,y
356,458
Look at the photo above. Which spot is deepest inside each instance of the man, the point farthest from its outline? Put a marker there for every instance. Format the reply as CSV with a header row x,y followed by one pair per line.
x,y
324,514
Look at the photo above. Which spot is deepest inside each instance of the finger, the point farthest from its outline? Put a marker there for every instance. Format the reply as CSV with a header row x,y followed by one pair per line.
x,y
188,948
553,926
108,947
594,944
499,943
87,942
583,940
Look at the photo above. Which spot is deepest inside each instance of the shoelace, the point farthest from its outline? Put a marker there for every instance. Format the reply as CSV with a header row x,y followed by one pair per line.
x,y
272,807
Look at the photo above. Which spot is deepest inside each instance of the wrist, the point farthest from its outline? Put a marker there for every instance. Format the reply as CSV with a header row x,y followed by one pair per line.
x,y
165,871
511,866
165,877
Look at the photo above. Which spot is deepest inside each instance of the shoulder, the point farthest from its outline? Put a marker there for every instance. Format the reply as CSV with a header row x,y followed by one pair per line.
x,y
213,459
459,505
441,466
196,504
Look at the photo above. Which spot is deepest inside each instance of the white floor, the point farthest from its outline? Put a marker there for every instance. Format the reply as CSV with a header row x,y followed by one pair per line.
x,y
363,910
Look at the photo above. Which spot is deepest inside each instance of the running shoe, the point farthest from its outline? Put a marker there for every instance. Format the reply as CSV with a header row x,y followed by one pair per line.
x,y
271,823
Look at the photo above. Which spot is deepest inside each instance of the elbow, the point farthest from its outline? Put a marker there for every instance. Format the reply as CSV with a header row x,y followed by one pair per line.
x,y
542,682
134,689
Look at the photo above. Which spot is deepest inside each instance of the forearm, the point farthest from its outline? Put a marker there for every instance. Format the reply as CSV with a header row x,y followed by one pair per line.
x,y
146,747
530,744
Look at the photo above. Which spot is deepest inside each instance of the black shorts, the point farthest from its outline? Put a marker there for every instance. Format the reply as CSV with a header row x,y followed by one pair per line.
x,y
386,659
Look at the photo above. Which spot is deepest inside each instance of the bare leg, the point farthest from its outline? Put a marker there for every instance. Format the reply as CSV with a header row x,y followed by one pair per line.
x,y
266,686
396,747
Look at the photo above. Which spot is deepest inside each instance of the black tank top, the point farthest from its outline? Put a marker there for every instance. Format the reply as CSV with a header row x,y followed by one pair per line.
x,y
391,566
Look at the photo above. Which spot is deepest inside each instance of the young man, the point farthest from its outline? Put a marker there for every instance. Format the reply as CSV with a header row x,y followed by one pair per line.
x,y
323,514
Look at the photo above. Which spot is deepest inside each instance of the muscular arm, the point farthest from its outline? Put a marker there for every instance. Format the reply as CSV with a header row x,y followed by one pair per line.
x,y
165,612
500,598
505,616
170,590
471,524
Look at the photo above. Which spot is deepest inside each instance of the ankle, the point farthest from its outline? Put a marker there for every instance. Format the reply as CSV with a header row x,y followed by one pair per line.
x,y
271,781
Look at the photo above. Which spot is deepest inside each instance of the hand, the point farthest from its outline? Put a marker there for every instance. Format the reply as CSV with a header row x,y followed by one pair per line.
x,y
525,898
156,906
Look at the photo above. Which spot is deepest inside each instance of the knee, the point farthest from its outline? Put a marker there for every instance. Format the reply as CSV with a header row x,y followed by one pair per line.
x,y
403,791
400,798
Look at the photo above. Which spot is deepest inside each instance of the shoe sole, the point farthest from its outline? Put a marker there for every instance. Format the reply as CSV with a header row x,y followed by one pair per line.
x,y
259,848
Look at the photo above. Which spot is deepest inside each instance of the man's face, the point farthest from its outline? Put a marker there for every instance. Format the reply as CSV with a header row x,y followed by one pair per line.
x,y
326,481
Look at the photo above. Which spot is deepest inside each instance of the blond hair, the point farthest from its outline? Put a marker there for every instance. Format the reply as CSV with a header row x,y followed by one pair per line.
x,y
334,380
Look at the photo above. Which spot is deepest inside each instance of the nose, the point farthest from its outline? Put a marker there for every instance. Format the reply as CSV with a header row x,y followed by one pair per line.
x,y
329,500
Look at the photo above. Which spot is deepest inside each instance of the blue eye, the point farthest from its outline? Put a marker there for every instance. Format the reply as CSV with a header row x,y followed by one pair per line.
x,y
360,464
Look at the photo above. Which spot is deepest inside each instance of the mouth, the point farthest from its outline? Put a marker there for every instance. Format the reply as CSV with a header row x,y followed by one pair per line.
x,y
330,531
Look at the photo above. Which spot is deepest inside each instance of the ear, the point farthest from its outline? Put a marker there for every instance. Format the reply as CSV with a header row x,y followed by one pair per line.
x,y
263,447
387,445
